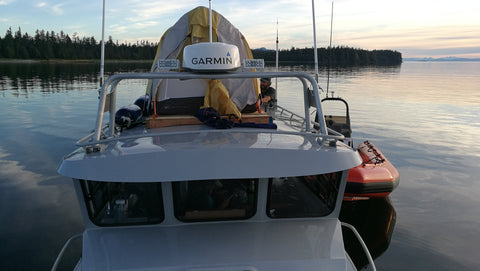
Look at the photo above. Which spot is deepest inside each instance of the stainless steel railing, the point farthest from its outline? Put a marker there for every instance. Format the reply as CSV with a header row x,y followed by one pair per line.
x,y
108,93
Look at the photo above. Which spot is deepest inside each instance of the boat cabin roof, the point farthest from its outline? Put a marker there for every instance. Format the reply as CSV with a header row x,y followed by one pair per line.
x,y
199,152
193,197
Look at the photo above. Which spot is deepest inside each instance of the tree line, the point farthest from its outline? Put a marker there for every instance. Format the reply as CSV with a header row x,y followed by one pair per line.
x,y
47,45
340,56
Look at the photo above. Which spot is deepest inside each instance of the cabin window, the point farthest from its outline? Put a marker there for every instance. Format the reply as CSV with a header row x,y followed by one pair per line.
x,y
209,200
303,196
118,203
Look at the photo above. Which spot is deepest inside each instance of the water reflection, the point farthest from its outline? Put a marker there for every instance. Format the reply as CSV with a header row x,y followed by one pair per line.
x,y
375,220
338,71
22,78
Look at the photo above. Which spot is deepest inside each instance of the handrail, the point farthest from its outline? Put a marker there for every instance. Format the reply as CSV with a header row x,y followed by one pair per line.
x,y
113,81
242,130
89,136
281,110
364,246
298,118
60,255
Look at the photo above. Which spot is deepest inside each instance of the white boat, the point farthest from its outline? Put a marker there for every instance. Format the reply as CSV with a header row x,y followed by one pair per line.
x,y
171,193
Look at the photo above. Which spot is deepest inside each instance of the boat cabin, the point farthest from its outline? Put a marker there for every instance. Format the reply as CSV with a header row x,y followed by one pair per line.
x,y
121,203
279,223
192,197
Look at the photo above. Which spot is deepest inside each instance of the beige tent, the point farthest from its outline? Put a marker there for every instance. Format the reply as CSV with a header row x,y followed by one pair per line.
x,y
186,96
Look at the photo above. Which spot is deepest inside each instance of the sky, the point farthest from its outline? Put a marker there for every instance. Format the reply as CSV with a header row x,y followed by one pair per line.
x,y
416,28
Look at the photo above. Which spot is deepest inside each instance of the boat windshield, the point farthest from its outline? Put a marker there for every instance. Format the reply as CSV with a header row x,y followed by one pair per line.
x,y
304,196
208,200
118,203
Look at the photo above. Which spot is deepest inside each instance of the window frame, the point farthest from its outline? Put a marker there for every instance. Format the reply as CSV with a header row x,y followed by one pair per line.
x,y
330,205
95,209
215,214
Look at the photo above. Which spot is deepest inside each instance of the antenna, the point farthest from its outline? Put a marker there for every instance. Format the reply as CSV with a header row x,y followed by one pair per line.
x,y
331,26
102,53
330,49
276,58
315,42
210,20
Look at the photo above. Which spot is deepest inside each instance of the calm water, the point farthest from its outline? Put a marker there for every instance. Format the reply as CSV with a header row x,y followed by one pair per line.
x,y
423,116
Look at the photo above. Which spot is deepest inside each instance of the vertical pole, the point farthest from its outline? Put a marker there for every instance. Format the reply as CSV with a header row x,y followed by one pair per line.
x,y
331,26
315,54
102,53
210,20
330,50
276,58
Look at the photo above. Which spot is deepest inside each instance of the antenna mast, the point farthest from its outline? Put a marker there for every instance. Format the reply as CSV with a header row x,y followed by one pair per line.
x,y
330,49
102,52
315,53
276,58
210,20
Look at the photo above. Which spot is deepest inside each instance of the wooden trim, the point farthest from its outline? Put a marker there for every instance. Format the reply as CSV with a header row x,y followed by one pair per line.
x,y
175,120
214,214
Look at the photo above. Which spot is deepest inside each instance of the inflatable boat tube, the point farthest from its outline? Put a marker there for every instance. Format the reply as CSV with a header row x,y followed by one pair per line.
x,y
375,177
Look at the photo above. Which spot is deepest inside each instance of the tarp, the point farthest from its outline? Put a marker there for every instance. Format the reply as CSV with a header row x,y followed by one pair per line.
x,y
217,97
191,28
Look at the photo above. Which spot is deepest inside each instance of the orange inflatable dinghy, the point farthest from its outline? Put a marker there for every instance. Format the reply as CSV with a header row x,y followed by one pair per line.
x,y
375,177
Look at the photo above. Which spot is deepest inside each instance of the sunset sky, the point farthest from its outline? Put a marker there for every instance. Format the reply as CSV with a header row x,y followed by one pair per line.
x,y
416,28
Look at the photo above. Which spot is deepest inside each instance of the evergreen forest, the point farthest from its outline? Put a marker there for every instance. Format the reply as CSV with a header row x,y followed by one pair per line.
x,y
48,45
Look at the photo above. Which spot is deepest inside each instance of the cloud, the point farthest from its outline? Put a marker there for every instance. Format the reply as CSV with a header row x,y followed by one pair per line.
x,y
436,39
118,29
13,170
371,25
138,11
4,2
57,9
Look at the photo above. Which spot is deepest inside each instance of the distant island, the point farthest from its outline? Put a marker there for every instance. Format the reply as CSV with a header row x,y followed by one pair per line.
x,y
48,45
340,56
442,59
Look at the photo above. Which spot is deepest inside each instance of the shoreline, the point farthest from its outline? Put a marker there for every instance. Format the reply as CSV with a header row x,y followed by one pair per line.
x,y
97,61
56,61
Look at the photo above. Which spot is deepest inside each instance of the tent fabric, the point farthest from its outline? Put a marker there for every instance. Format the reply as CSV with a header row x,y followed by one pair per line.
x,y
191,28
217,97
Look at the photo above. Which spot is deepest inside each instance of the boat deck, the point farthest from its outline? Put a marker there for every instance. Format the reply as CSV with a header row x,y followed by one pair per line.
x,y
223,246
